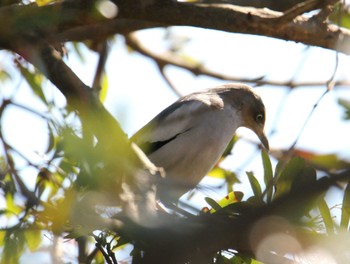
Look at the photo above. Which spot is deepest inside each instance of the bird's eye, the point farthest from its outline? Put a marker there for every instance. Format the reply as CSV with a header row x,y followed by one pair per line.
x,y
259,118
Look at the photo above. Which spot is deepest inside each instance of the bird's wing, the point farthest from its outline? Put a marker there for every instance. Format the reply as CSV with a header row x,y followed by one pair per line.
x,y
175,120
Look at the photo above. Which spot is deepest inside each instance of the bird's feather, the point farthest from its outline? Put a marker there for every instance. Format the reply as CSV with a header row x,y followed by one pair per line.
x,y
175,120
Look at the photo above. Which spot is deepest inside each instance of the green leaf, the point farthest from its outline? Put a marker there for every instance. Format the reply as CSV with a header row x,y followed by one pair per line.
x,y
11,206
33,238
2,237
346,105
104,88
244,260
35,82
329,162
99,258
326,215
14,242
268,175
229,176
212,203
230,198
4,75
345,210
288,174
217,172
254,183
340,15
43,2
323,161
230,146
52,139
236,260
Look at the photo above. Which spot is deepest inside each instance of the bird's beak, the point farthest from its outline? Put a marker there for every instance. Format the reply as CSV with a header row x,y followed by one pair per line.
x,y
261,135
259,131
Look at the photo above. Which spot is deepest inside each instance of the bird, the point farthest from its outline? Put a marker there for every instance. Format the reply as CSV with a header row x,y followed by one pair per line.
x,y
188,137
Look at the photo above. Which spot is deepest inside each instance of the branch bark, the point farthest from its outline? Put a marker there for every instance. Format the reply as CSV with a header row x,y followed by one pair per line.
x,y
70,23
270,4
245,20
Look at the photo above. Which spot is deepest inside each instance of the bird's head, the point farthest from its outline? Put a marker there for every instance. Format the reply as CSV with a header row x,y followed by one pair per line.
x,y
252,110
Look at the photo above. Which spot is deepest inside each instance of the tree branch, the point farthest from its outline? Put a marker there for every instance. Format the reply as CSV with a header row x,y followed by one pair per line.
x,y
244,20
270,4
64,18
299,9
103,30
198,69
184,240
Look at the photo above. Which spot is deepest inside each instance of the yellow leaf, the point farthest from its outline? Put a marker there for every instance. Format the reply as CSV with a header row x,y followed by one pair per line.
x,y
2,237
59,213
12,208
104,88
43,2
229,199
33,238
232,197
217,172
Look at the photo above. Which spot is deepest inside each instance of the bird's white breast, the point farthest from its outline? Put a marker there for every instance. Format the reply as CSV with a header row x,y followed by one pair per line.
x,y
190,156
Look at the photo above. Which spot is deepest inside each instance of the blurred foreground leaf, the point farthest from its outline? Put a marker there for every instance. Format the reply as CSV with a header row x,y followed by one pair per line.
x,y
345,211
292,175
33,238
341,15
346,105
323,161
254,183
232,197
34,79
326,216
268,174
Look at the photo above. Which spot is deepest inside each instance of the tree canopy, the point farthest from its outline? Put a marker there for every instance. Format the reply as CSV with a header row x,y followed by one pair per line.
x,y
94,190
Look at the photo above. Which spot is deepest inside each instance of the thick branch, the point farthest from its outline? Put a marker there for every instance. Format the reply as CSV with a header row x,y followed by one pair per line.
x,y
78,24
245,20
270,4
105,29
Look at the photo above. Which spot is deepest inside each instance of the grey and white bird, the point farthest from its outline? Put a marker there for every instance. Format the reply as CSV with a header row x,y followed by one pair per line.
x,y
187,138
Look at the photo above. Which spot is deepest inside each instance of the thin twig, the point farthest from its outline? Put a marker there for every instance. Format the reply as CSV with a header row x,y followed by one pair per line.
x,y
30,110
100,69
289,153
168,81
104,253
329,87
29,195
111,253
295,11
197,69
